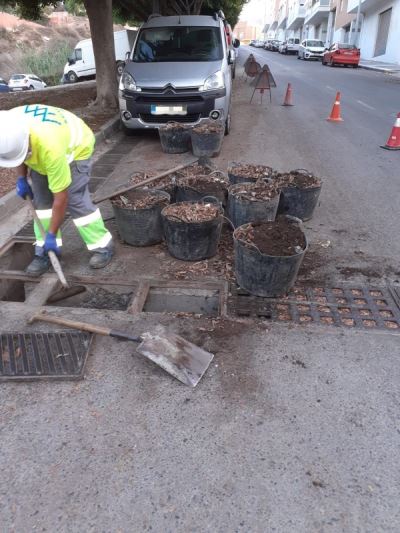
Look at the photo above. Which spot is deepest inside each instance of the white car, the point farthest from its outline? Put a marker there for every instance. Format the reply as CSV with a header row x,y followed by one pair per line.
x,y
25,82
311,49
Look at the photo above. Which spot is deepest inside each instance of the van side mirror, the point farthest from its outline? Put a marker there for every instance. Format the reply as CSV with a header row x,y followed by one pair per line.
x,y
236,43
71,61
127,56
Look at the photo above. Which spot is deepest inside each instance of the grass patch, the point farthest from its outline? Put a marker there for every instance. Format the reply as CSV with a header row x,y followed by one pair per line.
x,y
47,63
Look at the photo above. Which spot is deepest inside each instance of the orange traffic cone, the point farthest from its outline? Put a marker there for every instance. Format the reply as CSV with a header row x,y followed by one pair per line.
x,y
288,96
393,143
335,113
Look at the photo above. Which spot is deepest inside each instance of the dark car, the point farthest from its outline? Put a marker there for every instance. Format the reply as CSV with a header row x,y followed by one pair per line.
x,y
4,88
275,45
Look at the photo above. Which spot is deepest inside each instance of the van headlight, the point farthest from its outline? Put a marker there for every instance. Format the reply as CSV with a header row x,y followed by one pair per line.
x,y
215,81
127,82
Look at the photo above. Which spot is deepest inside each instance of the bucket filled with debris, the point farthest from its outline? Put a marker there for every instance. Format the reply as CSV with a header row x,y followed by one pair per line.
x,y
207,138
194,188
138,216
192,230
300,192
268,255
174,137
245,173
252,202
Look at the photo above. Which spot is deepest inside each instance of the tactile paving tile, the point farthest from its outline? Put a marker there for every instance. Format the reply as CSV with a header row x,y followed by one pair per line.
x,y
345,306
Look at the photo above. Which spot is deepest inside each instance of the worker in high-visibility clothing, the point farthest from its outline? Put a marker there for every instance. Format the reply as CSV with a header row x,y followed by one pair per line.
x,y
57,147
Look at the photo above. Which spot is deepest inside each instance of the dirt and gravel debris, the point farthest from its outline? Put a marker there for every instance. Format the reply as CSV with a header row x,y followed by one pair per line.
x,y
279,238
250,172
255,192
138,199
192,212
300,179
210,127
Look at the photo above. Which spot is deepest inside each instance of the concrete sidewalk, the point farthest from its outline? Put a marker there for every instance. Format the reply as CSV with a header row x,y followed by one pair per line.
x,y
381,66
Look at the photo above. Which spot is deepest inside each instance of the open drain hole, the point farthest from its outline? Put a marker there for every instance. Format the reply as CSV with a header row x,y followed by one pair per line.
x,y
114,297
183,300
16,257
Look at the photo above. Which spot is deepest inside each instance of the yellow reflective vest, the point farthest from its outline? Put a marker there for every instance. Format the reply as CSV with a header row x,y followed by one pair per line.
x,y
57,137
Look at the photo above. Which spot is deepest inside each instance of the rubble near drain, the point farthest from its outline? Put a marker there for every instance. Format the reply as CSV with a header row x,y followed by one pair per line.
x,y
112,297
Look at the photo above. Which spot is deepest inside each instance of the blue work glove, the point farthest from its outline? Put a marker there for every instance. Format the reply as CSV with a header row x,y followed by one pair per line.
x,y
50,244
23,188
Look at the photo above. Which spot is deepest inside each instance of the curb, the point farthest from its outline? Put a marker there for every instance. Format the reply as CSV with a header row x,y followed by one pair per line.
x,y
108,129
380,69
11,203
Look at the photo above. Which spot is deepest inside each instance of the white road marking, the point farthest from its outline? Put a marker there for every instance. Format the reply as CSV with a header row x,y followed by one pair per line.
x,y
330,88
365,105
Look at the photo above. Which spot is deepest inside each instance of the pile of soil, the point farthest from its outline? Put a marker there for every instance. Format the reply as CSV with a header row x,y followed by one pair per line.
x,y
174,126
194,170
210,127
192,212
138,199
279,238
251,172
299,179
255,192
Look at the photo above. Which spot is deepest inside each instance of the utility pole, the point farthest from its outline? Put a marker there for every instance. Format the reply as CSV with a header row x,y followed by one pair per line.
x,y
356,32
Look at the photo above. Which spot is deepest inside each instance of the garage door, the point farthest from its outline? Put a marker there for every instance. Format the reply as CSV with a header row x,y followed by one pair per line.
x,y
383,32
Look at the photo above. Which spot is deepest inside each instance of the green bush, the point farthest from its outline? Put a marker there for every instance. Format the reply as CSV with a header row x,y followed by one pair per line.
x,y
47,63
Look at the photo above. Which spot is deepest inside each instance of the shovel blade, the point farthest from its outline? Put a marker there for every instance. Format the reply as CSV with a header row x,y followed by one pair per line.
x,y
177,356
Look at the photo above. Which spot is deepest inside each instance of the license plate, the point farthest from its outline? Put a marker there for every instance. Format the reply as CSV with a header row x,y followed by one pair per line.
x,y
348,53
169,110
17,89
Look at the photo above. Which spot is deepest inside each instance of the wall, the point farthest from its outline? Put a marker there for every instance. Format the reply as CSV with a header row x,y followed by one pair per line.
x,y
369,31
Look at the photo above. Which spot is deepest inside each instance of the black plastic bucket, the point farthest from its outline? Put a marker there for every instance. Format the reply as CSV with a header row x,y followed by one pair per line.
x,y
265,275
242,210
207,143
192,241
235,176
195,192
174,137
299,203
142,227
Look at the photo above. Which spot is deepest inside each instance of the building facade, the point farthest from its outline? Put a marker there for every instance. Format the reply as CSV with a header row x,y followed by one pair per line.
x,y
378,34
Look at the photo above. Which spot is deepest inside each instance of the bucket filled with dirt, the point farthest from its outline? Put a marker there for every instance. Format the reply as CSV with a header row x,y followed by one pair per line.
x,y
300,192
194,188
138,216
192,230
247,173
207,138
252,202
268,255
174,137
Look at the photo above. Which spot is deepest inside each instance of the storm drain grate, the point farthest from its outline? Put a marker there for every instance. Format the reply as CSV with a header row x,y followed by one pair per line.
x,y
31,356
354,307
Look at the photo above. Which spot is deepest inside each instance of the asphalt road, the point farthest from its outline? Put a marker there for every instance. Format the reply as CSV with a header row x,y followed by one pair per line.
x,y
359,200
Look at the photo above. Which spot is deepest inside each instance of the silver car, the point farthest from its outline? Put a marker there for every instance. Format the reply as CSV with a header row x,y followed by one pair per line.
x,y
311,49
179,69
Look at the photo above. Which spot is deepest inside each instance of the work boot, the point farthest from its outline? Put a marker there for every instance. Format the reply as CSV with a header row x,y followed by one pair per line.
x,y
38,266
101,257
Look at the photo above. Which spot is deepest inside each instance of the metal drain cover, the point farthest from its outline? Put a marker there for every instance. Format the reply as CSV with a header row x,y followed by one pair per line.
x,y
32,356
347,306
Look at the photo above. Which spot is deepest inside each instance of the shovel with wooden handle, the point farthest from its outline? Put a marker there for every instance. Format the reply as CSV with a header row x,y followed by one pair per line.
x,y
177,356
53,257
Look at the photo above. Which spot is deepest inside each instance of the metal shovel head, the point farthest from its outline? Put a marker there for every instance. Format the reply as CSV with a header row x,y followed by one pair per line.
x,y
177,356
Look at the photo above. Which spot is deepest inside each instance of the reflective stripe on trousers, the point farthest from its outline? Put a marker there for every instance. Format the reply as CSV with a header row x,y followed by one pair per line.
x,y
85,214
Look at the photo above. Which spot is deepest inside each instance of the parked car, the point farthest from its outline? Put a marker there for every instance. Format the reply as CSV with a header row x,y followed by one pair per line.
x,y
257,44
342,54
81,62
4,88
179,70
311,49
26,82
268,44
275,45
290,46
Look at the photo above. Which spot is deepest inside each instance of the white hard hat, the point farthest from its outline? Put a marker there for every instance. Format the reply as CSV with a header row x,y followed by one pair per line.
x,y
14,139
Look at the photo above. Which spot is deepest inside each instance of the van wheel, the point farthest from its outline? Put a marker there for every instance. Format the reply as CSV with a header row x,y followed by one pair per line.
x,y
228,124
72,77
31,88
120,68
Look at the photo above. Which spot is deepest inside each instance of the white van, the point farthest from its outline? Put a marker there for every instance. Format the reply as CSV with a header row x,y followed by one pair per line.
x,y
81,62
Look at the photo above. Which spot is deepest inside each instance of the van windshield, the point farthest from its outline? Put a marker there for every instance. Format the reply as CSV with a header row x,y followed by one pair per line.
x,y
182,43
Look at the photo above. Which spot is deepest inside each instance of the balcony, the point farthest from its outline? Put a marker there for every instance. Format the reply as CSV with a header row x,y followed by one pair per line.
x,y
352,5
296,17
282,19
317,12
